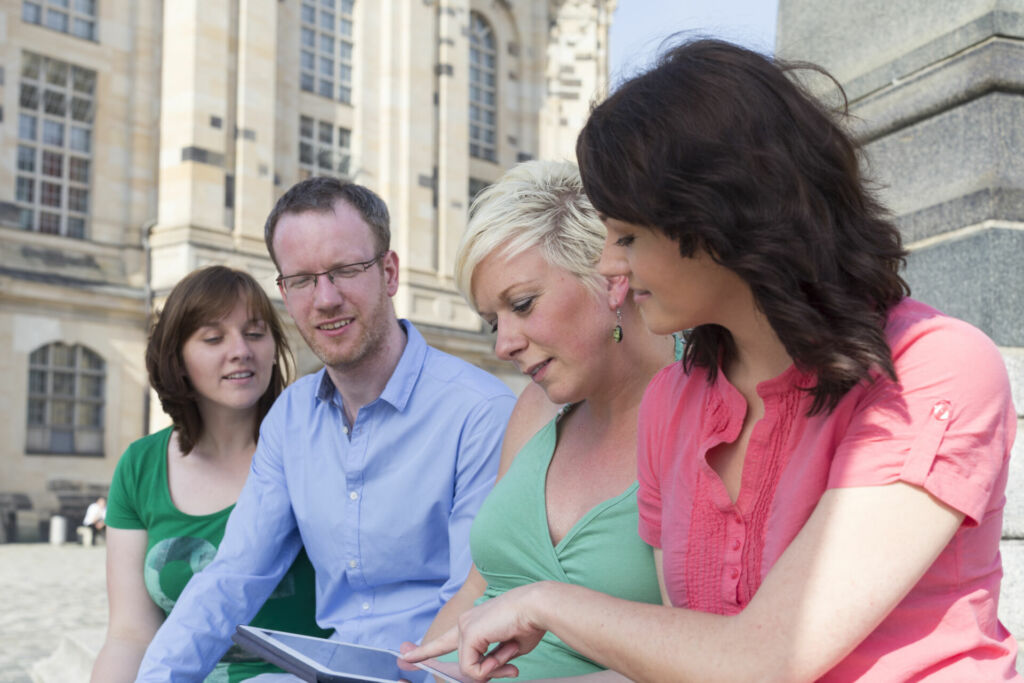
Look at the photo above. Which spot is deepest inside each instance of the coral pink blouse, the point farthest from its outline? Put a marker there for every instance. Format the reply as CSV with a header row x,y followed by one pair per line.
x,y
946,426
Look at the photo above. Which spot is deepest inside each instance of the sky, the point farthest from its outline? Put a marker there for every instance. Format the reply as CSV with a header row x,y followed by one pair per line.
x,y
639,26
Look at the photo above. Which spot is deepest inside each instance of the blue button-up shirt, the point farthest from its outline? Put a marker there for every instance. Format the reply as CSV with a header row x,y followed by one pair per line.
x,y
383,509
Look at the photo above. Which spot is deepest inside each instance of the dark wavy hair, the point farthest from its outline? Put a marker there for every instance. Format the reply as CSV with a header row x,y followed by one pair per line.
x,y
204,295
319,194
718,148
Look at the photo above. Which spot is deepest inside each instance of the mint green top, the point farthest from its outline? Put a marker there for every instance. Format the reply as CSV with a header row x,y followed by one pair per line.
x,y
179,545
511,547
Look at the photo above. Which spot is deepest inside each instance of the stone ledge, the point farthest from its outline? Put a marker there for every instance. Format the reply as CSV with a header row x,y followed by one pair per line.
x,y
996,23
995,65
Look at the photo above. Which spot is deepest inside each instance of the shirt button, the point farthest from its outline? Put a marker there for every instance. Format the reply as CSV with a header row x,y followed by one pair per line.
x,y
353,564
941,411
735,573
344,430
366,606
354,495
736,544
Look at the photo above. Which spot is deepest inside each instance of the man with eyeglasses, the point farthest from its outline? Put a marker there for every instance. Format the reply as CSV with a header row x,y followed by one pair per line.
x,y
377,463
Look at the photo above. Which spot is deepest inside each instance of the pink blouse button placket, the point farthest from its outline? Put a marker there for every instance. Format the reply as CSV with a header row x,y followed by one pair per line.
x,y
733,555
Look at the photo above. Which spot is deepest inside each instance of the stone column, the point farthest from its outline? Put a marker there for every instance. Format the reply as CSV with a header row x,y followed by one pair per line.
x,y
935,87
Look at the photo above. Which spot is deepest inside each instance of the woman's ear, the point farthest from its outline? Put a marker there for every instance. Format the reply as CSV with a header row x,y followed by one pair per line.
x,y
618,290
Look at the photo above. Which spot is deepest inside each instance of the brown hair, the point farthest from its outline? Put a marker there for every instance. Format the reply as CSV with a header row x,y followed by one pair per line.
x,y
203,295
320,194
719,149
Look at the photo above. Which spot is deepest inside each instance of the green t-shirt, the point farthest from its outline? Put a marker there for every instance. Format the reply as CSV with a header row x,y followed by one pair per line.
x,y
511,545
179,545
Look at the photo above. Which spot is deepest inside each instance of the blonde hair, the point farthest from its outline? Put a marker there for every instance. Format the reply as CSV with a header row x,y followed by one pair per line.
x,y
535,204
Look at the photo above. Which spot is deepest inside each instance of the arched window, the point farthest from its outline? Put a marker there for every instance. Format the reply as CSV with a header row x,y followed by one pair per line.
x,y
483,89
65,400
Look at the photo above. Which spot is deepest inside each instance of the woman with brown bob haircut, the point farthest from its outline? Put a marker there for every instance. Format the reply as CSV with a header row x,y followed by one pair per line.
x,y
217,357
823,476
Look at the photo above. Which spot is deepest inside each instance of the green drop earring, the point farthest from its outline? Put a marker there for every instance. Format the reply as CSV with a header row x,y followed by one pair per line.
x,y
617,331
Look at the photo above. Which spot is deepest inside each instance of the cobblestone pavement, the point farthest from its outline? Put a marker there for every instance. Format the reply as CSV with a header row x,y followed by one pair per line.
x,y
46,591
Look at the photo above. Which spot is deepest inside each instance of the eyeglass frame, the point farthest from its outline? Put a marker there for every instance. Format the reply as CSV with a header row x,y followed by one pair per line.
x,y
363,265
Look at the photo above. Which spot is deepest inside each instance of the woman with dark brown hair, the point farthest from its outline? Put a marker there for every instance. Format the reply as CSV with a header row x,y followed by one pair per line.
x,y
822,477
217,357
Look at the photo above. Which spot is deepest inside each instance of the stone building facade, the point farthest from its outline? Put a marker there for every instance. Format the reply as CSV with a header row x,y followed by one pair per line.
x,y
935,87
141,139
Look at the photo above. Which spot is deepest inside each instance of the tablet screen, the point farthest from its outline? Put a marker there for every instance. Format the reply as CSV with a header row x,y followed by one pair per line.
x,y
343,658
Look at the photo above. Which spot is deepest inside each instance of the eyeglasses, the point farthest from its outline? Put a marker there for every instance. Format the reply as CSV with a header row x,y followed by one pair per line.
x,y
304,282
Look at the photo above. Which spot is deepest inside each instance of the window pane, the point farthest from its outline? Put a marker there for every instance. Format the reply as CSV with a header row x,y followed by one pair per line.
x,y
306,82
53,133
308,61
308,37
327,3
82,28
53,164
326,88
36,411
90,360
345,94
326,67
61,441
345,73
76,227
81,139
49,223
58,21
90,386
345,51
345,28
308,14
305,153
40,356
344,137
343,164
25,190
326,132
26,219
305,127
86,7
327,44
26,158
81,109
55,103
37,381
29,98
62,356
78,199
323,159
61,412
26,127
90,415
346,6
59,3
63,384
78,170
83,80
49,195
30,67
326,21
88,440
31,13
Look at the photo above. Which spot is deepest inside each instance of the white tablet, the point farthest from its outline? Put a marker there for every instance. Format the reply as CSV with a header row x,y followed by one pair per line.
x,y
326,661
